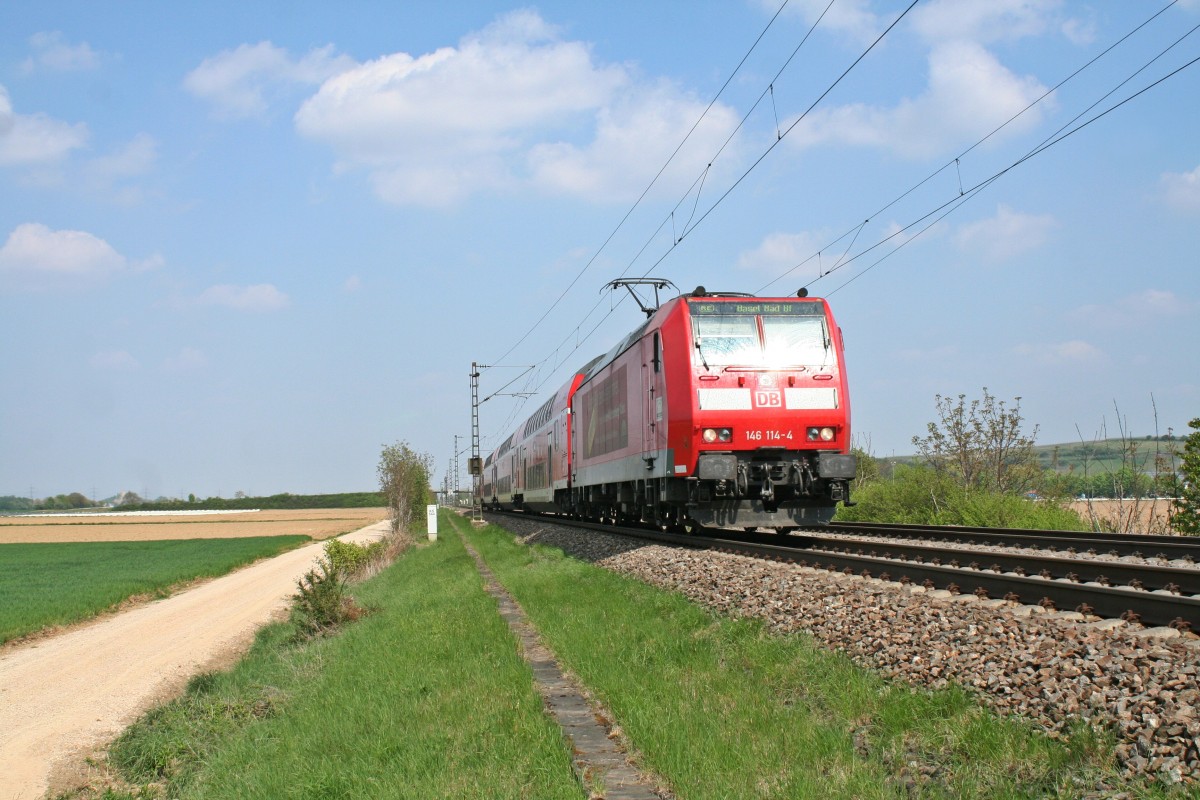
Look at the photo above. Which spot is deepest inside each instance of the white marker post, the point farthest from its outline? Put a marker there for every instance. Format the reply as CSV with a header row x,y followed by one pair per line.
x,y
431,522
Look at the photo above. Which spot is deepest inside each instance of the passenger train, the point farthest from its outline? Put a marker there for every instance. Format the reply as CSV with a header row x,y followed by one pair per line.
x,y
720,410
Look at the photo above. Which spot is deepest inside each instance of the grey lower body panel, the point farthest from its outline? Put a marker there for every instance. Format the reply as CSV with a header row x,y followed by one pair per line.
x,y
753,515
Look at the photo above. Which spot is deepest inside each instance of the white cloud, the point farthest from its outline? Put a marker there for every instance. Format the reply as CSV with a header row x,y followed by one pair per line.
x,y
35,139
259,297
1079,32
1182,189
1006,235
34,254
850,17
781,251
1134,311
511,105
970,93
115,175
189,359
135,158
984,20
352,284
1155,302
634,136
53,53
239,82
114,361
1075,351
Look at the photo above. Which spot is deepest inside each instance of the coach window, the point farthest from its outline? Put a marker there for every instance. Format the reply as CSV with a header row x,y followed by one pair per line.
x,y
657,359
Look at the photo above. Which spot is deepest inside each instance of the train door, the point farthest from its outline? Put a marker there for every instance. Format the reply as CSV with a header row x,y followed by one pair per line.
x,y
654,426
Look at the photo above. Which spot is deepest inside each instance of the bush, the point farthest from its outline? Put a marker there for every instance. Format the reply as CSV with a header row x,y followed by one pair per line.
x,y
921,496
322,603
1185,510
347,558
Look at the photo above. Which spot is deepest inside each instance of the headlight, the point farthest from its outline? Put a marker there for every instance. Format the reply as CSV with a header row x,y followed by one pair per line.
x,y
711,435
820,434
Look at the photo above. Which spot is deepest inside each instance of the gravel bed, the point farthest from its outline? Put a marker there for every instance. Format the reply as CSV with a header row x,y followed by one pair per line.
x,y
1054,668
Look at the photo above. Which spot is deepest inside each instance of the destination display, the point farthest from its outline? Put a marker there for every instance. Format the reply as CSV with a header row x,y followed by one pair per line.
x,y
810,308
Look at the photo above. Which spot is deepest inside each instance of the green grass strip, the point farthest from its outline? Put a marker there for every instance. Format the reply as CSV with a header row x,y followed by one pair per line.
x,y
425,697
42,585
722,709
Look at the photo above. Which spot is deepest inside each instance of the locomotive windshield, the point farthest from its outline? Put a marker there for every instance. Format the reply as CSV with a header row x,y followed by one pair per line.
x,y
756,334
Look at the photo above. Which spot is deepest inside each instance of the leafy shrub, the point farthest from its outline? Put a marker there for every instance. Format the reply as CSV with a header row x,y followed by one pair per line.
x,y
921,496
322,603
346,557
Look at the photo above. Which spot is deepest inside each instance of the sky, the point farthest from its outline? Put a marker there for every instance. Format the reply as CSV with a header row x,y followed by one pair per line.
x,y
243,246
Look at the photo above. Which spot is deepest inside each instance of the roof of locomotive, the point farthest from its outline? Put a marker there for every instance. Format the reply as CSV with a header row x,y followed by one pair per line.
x,y
597,364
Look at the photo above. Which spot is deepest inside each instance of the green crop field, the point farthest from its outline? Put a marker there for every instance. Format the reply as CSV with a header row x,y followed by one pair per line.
x,y
43,585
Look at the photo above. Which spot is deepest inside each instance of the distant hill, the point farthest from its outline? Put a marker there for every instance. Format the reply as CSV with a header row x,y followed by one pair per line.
x,y
275,501
1111,454
1098,457
128,501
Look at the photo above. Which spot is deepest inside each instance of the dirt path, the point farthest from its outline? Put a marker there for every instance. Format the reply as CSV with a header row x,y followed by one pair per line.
x,y
63,697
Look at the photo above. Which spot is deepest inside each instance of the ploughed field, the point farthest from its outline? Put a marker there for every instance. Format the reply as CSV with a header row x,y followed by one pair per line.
x,y
111,560
114,527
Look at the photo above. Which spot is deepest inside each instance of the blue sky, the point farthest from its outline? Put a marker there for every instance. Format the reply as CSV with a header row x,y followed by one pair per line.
x,y
242,246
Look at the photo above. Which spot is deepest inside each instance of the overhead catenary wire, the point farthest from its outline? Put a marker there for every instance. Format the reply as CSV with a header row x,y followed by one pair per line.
x,y
649,186
941,211
653,181
630,212
557,359
956,161
953,204
698,183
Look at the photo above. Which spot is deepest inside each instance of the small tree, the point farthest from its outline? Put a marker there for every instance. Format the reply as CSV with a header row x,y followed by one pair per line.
x,y
867,469
980,444
1185,508
404,481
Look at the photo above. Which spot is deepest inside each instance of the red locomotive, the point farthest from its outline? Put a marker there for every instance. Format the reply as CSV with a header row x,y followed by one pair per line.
x,y
722,410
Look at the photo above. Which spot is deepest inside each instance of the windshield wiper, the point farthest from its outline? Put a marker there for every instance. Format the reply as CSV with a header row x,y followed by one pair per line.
x,y
703,360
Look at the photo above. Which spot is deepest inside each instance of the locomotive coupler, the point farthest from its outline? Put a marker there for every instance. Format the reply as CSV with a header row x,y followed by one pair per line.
x,y
768,490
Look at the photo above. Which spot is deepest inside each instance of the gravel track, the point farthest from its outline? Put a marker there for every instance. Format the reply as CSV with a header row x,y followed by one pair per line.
x,y
1053,668
65,696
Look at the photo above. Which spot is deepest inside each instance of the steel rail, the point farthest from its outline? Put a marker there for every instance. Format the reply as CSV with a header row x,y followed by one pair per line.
x,y
1123,544
1182,580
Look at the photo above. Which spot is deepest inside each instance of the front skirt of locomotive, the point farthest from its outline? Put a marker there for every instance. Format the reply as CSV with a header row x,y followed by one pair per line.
x,y
752,514
769,490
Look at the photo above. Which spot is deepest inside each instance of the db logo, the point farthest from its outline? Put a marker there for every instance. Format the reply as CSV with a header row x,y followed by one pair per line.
x,y
770,398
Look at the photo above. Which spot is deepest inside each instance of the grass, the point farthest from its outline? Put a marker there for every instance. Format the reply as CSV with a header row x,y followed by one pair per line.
x,y
425,697
722,709
43,585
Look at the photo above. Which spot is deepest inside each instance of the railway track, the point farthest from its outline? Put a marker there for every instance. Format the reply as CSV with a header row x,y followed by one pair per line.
x,y
964,561
1115,544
